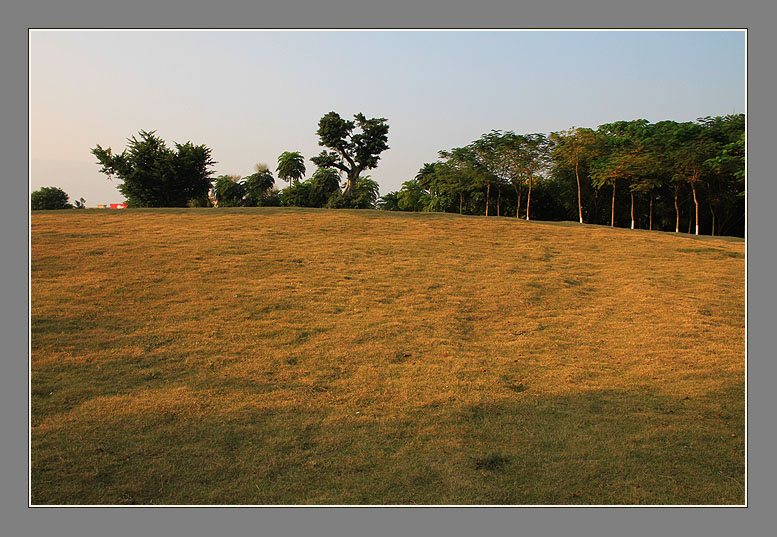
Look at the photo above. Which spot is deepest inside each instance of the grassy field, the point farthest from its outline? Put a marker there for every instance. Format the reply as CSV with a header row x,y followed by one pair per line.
x,y
305,356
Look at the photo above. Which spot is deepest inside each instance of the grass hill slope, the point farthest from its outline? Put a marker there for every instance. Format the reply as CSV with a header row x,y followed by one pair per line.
x,y
292,356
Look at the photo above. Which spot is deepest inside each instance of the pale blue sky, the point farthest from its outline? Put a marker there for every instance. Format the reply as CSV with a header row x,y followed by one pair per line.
x,y
250,95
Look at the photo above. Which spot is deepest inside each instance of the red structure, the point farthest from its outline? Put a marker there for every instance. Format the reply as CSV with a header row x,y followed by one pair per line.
x,y
118,205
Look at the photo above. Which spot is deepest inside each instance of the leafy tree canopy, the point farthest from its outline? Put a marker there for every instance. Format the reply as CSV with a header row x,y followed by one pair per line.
x,y
324,183
389,202
229,191
363,195
412,196
296,195
49,198
670,171
154,175
352,151
291,167
257,185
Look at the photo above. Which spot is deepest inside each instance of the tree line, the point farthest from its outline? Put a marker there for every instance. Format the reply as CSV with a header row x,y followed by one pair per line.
x,y
154,175
668,175
672,176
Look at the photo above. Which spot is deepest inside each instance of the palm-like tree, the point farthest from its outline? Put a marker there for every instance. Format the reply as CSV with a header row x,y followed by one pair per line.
x,y
257,185
291,167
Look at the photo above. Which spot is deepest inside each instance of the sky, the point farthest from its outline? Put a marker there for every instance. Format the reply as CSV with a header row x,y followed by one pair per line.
x,y
251,95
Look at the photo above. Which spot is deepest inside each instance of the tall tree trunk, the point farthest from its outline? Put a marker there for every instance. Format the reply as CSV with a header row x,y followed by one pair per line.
x,y
528,200
632,209
651,213
499,201
690,215
516,194
696,203
677,212
711,206
713,220
488,195
461,201
612,219
579,196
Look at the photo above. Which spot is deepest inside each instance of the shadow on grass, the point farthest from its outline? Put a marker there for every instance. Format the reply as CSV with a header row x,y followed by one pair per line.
x,y
603,447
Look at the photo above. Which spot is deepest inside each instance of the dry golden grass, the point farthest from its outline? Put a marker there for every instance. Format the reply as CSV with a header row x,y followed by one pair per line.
x,y
293,356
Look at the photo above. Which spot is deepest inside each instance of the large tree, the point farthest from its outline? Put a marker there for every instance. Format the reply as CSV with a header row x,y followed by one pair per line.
x,y
574,148
623,157
646,183
509,158
352,151
691,154
486,152
463,173
512,149
662,144
535,159
629,164
725,181
517,159
154,175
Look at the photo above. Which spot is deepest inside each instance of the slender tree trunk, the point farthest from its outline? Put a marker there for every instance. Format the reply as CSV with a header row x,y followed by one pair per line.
x,y
677,212
713,220
632,210
461,201
516,194
579,196
488,195
528,200
499,201
690,215
612,219
696,203
712,208
651,213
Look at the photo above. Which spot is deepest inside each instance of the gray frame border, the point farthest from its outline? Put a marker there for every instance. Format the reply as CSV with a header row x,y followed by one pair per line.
x,y
19,519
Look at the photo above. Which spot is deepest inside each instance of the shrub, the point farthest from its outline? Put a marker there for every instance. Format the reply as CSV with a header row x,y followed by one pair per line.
x,y
48,198
271,198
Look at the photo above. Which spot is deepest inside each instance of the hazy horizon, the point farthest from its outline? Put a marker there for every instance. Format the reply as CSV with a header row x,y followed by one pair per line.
x,y
251,95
